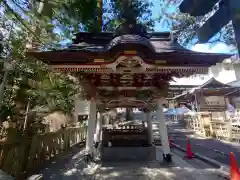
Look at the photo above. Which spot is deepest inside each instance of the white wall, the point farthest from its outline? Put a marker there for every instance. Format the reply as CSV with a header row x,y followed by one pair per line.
x,y
224,72
81,107
192,80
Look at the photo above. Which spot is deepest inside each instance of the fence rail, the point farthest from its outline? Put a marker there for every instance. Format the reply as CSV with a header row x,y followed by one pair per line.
x,y
28,154
217,128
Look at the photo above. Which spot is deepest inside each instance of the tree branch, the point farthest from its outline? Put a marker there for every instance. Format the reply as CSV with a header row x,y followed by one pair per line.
x,y
21,20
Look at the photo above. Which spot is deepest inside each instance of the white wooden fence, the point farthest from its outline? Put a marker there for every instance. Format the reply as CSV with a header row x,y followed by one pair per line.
x,y
226,129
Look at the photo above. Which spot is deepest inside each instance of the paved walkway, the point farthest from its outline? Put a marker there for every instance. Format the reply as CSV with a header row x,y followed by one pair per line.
x,y
72,167
153,171
215,149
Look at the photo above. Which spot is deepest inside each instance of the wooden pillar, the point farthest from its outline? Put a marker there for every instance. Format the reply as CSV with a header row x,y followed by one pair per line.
x,y
198,117
210,124
163,131
129,114
228,120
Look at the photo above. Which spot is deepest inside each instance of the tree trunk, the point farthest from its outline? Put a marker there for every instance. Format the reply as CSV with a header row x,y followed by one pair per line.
x,y
32,45
100,8
27,137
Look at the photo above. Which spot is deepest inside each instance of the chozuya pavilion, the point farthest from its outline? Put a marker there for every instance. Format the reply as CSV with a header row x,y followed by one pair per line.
x,y
127,68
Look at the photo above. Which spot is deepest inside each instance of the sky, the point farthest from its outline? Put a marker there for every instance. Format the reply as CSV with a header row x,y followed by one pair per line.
x,y
162,26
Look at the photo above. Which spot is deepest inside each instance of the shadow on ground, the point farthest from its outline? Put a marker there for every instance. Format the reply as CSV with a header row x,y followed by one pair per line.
x,y
71,166
67,166
152,171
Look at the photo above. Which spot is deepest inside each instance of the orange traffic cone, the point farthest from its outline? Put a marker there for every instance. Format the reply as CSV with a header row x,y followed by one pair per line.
x,y
234,171
189,153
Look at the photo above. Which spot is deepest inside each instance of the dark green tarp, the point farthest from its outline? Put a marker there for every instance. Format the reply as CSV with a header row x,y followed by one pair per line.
x,y
197,7
214,24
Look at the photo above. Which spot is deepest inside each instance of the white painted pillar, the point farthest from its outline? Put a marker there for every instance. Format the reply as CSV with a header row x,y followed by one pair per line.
x,y
99,127
149,127
91,127
163,131
106,120
76,109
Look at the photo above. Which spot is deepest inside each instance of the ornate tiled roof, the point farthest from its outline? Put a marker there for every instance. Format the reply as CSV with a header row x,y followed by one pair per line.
x,y
150,46
213,83
130,39
220,88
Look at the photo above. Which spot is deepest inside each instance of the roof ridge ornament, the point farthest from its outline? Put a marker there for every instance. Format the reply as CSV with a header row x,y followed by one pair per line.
x,y
131,28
